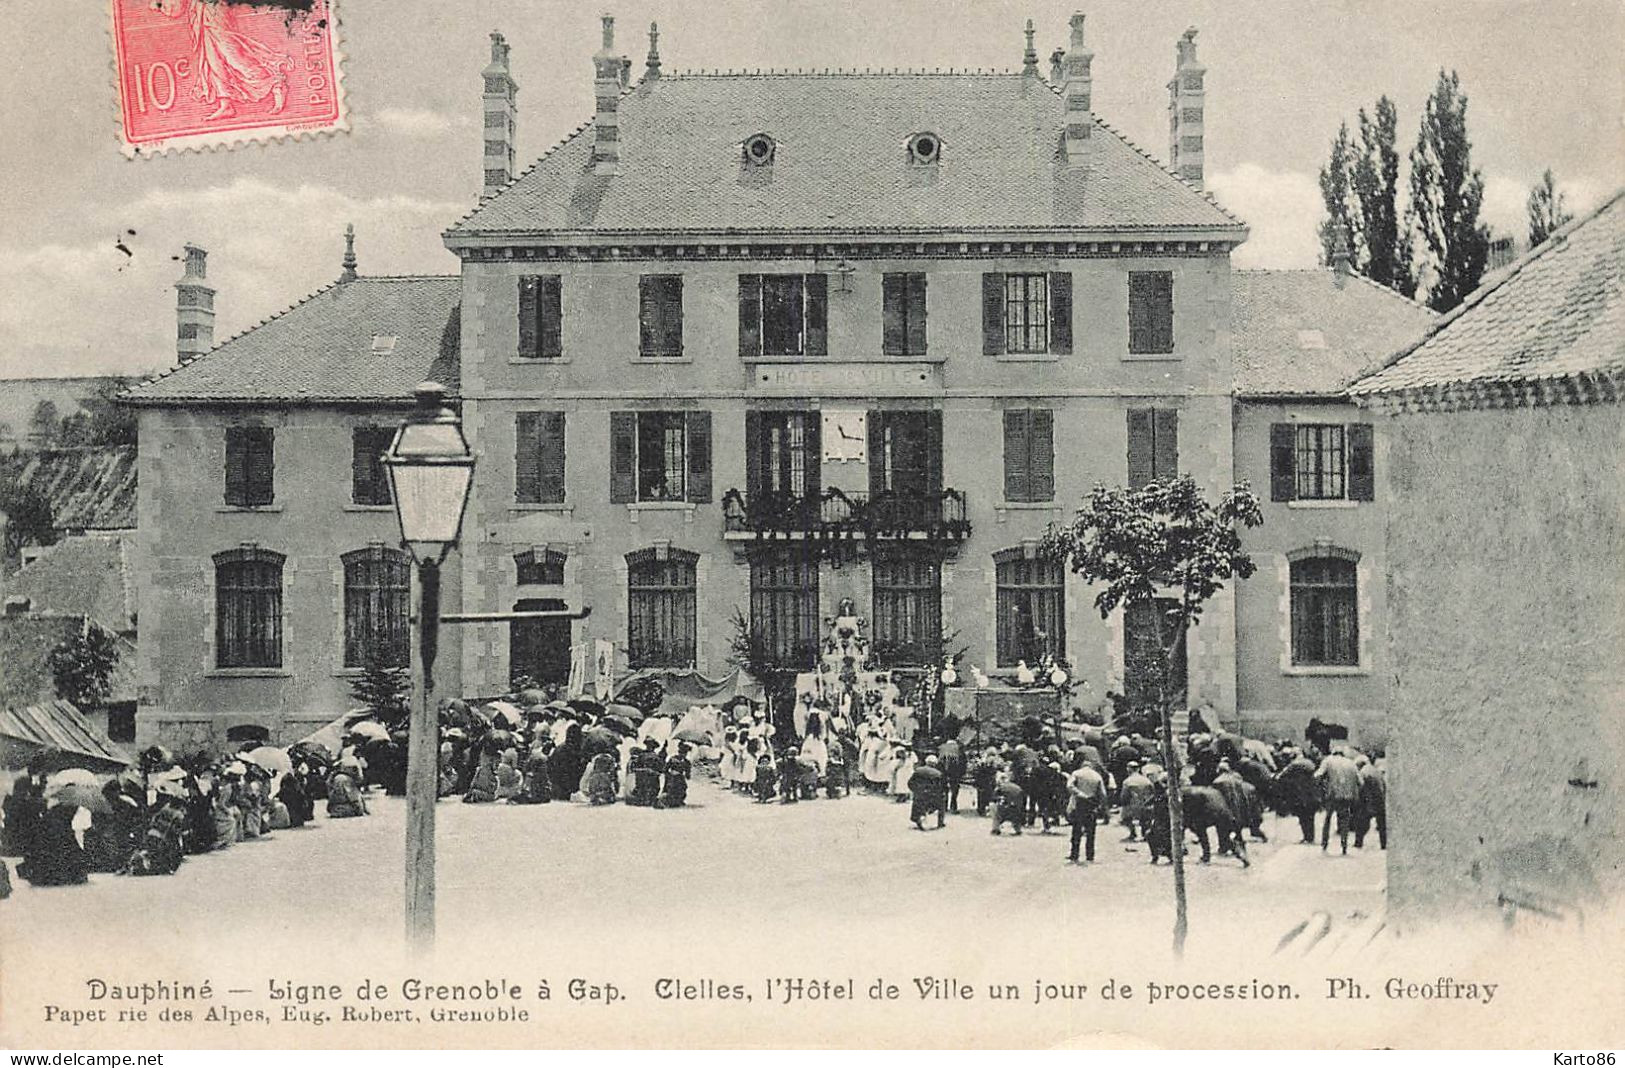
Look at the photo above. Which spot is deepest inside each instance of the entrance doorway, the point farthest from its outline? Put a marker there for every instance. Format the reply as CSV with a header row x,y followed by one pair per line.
x,y
539,649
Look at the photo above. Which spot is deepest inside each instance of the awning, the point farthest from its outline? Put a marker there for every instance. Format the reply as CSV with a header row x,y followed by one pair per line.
x,y
59,727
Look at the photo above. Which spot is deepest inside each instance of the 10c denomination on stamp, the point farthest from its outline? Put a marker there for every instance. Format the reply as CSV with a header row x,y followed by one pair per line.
x,y
200,73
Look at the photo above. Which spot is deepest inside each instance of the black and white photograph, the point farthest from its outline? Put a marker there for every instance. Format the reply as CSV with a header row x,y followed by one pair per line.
x,y
778,524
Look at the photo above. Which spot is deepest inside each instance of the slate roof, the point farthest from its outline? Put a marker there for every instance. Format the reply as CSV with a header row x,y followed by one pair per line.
x,y
86,575
1557,314
58,725
91,488
323,348
842,163
1300,333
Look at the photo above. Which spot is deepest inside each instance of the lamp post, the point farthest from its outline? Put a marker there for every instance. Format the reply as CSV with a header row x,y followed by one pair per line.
x,y
430,472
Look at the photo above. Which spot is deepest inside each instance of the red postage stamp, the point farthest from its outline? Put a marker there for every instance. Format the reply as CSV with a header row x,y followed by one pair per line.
x,y
200,73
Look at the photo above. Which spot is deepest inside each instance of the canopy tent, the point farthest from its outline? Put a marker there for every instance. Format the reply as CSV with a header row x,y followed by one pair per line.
x,y
684,687
59,728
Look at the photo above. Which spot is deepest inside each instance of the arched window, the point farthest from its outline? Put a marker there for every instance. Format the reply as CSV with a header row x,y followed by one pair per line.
x,y
248,608
377,601
539,567
1325,611
1031,606
907,608
661,610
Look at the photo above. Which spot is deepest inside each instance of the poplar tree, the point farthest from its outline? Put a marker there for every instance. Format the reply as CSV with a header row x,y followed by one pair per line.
x,y
1548,211
1446,196
1335,193
1384,237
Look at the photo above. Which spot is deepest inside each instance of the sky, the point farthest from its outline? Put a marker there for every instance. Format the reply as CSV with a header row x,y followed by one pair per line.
x,y
1542,77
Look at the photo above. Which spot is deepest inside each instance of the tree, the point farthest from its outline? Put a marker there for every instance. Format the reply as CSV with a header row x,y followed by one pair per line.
x,y
384,688
1384,240
82,665
1141,545
1547,211
44,423
29,518
1446,195
1335,193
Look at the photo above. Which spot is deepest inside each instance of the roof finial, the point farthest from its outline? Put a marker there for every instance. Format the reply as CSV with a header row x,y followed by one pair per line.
x,y
652,64
1029,60
348,274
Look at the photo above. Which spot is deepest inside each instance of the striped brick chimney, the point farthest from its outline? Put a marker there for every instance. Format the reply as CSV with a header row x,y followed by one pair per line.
x,y
501,115
1077,84
1185,102
194,308
606,86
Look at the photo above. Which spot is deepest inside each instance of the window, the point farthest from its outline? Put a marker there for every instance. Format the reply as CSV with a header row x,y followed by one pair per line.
x,y
538,458
1029,454
660,590
907,609
1143,677
248,608
369,481
1153,445
1325,612
541,316
660,456
1150,312
1322,462
924,148
783,315
660,315
539,567
784,607
1026,313
1031,606
250,466
377,603
905,453
782,454
903,314
759,150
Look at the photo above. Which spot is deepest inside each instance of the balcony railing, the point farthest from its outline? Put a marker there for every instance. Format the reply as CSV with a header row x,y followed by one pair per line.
x,y
936,515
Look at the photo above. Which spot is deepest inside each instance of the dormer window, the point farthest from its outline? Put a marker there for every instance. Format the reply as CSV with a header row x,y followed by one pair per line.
x,y
759,150
924,149
383,344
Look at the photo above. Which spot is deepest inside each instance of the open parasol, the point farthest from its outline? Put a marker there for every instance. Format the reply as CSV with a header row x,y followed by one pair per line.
x,y
508,714
628,712
270,758
85,795
370,729
695,735
620,725
73,777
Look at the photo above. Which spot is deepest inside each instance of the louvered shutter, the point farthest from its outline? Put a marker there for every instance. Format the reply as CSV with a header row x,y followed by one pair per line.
x,y
672,316
1141,447
877,459
750,315
261,465
1139,313
1060,312
1041,454
817,295
933,451
236,467
914,342
699,456
1162,312
528,303
1165,432
813,436
552,315
361,487
623,457
648,315
550,450
527,472
993,313
1362,466
1016,457
893,314
755,447
1283,465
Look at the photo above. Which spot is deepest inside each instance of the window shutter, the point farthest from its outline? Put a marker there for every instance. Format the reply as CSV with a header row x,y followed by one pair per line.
x,y
993,313
1016,457
813,436
1141,447
623,457
1283,473
236,466
672,316
915,341
1060,312
1362,466
1162,312
1139,314
817,296
361,487
1041,454
893,315
552,309
528,303
754,448
750,315
1165,435
876,423
527,472
933,451
648,315
699,456
262,465
550,450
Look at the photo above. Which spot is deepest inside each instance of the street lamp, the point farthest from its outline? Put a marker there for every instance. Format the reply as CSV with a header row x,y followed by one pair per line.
x,y
430,470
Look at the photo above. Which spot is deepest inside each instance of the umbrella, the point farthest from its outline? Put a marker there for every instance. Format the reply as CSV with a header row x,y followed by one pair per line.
x,y
585,704
370,729
531,697
629,712
310,752
74,777
481,715
84,795
509,714
695,735
498,740
270,758
620,725
595,740
156,756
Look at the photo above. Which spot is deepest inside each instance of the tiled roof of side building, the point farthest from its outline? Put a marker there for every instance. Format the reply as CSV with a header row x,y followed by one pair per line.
x,y
841,163
90,487
1557,315
367,340
86,575
1309,333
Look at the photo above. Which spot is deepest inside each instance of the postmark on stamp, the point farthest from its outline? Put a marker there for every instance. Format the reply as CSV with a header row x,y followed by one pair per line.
x,y
201,73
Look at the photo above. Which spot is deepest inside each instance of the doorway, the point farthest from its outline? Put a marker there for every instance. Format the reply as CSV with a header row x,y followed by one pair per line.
x,y
539,649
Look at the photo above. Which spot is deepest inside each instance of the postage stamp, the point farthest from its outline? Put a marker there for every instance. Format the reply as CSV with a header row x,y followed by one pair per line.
x,y
202,73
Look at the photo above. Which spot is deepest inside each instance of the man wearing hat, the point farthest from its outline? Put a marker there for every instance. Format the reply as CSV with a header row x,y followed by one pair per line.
x,y
927,789
1135,795
1086,797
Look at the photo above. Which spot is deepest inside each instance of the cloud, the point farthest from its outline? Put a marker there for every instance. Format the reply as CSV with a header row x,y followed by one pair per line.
x,y
1506,201
79,306
421,122
1283,210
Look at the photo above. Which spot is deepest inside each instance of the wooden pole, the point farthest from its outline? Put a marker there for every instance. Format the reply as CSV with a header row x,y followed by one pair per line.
x,y
422,767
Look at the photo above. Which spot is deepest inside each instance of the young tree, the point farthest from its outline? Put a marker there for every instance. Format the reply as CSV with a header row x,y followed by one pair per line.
x,y
29,518
1446,195
44,423
1385,242
384,688
1160,541
1547,210
82,666
1335,193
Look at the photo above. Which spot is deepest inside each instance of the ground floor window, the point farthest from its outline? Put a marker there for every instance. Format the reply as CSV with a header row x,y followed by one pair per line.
x,y
1325,612
538,649
377,602
907,625
248,608
661,607
1144,680
1031,607
784,607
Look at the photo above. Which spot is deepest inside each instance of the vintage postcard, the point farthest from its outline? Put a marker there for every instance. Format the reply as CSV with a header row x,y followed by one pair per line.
x,y
762,524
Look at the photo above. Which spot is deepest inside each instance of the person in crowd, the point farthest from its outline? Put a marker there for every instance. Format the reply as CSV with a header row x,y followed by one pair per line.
x,y
1241,799
291,791
903,763
482,785
984,777
765,779
952,755
837,773
674,788
599,784
646,766
1158,828
567,763
1373,804
1339,779
1047,791
1205,807
1134,795
226,821
928,789
1297,792
1086,799
344,799
56,854
1009,803
790,776
115,834
23,809
509,779
537,788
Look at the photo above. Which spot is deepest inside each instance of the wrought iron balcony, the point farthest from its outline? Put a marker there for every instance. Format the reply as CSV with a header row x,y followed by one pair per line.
x,y
923,515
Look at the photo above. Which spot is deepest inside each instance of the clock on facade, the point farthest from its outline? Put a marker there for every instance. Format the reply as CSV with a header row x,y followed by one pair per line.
x,y
846,435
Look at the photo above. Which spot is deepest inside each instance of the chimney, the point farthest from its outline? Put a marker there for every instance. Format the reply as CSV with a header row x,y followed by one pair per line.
x,y
1077,82
606,88
1056,70
651,65
1029,58
194,308
1185,96
500,115
18,605
1341,255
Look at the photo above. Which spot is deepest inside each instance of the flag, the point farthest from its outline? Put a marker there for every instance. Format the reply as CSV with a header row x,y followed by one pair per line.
x,y
604,668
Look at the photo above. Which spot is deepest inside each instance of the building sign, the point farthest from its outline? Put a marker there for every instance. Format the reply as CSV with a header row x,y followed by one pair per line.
x,y
845,435
845,379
